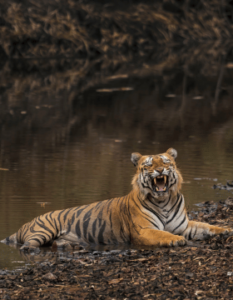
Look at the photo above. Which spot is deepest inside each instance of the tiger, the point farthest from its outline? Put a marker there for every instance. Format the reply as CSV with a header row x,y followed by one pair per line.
x,y
152,214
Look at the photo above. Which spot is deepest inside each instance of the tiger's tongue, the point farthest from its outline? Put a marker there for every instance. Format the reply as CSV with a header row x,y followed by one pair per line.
x,y
161,186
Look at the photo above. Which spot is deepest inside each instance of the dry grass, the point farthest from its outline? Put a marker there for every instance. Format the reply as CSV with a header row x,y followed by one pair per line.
x,y
67,29
53,76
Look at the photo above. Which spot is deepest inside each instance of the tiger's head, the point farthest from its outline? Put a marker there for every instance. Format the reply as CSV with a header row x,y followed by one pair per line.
x,y
157,175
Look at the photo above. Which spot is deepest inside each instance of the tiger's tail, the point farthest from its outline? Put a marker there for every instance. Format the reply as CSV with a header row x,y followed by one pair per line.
x,y
10,239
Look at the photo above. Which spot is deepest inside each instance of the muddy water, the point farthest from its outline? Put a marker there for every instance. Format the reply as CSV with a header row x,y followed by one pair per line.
x,y
66,145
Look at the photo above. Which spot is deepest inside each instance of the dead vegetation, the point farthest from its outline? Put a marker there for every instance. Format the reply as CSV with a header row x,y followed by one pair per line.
x,y
80,29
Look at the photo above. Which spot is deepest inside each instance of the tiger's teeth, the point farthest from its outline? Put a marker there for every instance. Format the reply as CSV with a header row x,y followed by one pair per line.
x,y
164,189
157,188
155,181
165,179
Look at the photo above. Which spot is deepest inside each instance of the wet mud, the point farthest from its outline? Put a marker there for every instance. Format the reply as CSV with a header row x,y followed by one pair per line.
x,y
199,270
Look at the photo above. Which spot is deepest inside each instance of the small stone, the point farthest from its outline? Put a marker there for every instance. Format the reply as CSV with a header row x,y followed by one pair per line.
x,y
229,201
230,183
50,276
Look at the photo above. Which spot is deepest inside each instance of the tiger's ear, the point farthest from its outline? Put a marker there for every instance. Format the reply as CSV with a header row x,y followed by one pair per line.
x,y
172,152
135,158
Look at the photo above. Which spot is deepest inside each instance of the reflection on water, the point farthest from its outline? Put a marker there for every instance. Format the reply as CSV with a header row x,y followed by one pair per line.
x,y
68,142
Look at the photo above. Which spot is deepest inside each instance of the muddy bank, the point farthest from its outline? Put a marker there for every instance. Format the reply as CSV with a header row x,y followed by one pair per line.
x,y
200,270
89,29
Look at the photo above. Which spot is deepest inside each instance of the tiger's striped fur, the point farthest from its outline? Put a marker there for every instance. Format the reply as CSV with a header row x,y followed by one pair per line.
x,y
152,214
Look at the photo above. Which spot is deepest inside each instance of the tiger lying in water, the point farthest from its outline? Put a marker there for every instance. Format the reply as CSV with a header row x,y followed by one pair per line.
x,y
152,214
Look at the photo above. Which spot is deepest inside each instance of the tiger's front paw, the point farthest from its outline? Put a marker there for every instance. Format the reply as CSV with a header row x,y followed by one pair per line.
x,y
175,240
224,231
227,231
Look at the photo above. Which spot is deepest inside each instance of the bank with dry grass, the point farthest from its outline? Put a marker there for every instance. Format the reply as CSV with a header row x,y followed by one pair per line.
x,y
72,28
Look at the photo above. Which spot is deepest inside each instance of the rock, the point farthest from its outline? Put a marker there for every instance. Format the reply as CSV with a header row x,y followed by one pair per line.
x,y
220,186
229,201
230,183
50,277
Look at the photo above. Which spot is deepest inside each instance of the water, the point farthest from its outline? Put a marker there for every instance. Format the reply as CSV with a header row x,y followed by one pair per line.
x,y
66,141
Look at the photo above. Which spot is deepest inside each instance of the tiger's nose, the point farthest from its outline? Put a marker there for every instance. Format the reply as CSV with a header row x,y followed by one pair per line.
x,y
160,169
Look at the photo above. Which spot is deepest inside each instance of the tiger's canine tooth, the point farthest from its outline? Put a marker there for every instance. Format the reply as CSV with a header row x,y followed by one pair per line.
x,y
165,179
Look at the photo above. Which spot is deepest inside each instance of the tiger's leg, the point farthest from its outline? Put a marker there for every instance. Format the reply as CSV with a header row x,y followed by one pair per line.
x,y
153,237
35,234
34,241
200,231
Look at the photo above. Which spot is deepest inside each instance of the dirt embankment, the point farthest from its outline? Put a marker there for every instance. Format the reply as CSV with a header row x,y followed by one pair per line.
x,y
201,270
72,28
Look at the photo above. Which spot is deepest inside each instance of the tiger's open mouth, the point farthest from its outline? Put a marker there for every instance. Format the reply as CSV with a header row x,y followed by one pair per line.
x,y
160,183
